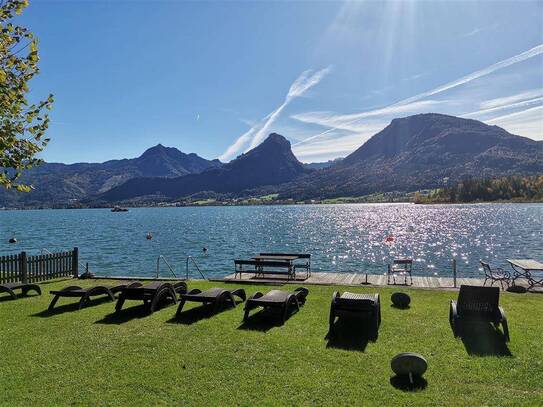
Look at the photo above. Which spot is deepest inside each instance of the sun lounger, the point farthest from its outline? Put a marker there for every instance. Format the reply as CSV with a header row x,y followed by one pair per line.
x,y
351,304
85,294
24,287
152,294
477,304
216,296
276,299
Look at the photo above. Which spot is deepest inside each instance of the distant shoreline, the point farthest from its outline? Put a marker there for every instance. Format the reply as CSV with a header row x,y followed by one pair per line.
x,y
222,204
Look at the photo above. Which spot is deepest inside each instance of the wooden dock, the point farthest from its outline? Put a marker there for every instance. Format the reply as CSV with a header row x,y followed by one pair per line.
x,y
351,279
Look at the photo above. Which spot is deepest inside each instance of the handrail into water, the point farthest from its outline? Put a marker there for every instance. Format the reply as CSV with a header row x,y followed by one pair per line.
x,y
188,259
196,265
161,257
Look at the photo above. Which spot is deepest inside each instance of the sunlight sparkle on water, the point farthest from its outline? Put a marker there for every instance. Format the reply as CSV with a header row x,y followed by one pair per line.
x,y
341,238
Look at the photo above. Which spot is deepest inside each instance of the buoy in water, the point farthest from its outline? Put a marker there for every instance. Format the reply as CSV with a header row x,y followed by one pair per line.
x,y
389,239
12,240
149,236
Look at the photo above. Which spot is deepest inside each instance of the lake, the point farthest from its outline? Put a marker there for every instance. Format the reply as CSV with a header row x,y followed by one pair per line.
x,y
341,238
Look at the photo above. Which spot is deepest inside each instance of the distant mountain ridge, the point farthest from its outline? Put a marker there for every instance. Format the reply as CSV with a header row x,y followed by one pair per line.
x,y
57,183
270,163
412,153
322,165
160,161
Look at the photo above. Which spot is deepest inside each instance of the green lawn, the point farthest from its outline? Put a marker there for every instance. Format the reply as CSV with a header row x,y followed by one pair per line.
x,y
89,357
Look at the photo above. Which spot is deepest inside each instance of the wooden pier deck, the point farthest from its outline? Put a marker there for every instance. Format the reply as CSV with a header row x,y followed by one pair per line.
x,y
352,279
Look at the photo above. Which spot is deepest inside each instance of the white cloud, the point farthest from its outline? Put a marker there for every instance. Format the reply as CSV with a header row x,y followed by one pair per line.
x,y
414,77
526,122
478,74
507,100
412,104
238,145
472,32
340,144
523,103
258,133
352,121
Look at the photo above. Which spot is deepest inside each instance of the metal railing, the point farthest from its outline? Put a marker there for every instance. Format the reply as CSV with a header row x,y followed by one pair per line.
x,y
189,259
161,257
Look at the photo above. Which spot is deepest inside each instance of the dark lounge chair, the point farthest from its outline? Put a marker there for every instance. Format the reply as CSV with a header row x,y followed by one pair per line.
x,y
477,304
152,294
277,299
216,296
496,274
85,294
357,305
24,287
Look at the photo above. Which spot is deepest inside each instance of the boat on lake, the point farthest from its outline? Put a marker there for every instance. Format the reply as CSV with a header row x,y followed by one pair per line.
x,y
119,209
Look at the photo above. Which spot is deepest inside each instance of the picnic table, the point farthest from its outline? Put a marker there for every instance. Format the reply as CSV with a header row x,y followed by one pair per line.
x,y
528,269
275,257
304,263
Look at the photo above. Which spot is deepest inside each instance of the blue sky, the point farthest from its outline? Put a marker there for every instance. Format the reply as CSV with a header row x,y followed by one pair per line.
x,y
216,77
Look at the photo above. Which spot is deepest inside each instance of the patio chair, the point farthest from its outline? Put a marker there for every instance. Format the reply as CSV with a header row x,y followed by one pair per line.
x,y
152,294
400,266
85,294
496,274
358,305
277,300
24,287
477,304
216,296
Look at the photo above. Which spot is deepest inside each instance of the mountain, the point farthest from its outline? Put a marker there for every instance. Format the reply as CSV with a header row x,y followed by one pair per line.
x,y
423,151
270,163
64,183
412,153
322,165
160,161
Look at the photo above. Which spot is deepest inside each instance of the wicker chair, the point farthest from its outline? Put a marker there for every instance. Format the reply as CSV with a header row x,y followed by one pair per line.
x,y
496,274
477,304
351,304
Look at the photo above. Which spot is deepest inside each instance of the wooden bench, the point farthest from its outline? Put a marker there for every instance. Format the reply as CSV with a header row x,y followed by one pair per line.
x,y
304,256
260,267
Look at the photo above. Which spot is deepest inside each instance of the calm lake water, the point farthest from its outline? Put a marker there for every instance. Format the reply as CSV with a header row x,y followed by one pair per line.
x,y
341,238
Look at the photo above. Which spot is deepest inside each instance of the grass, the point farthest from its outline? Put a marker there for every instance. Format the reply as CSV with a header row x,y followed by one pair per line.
x,y
204,202
371,198
269,197
90,357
